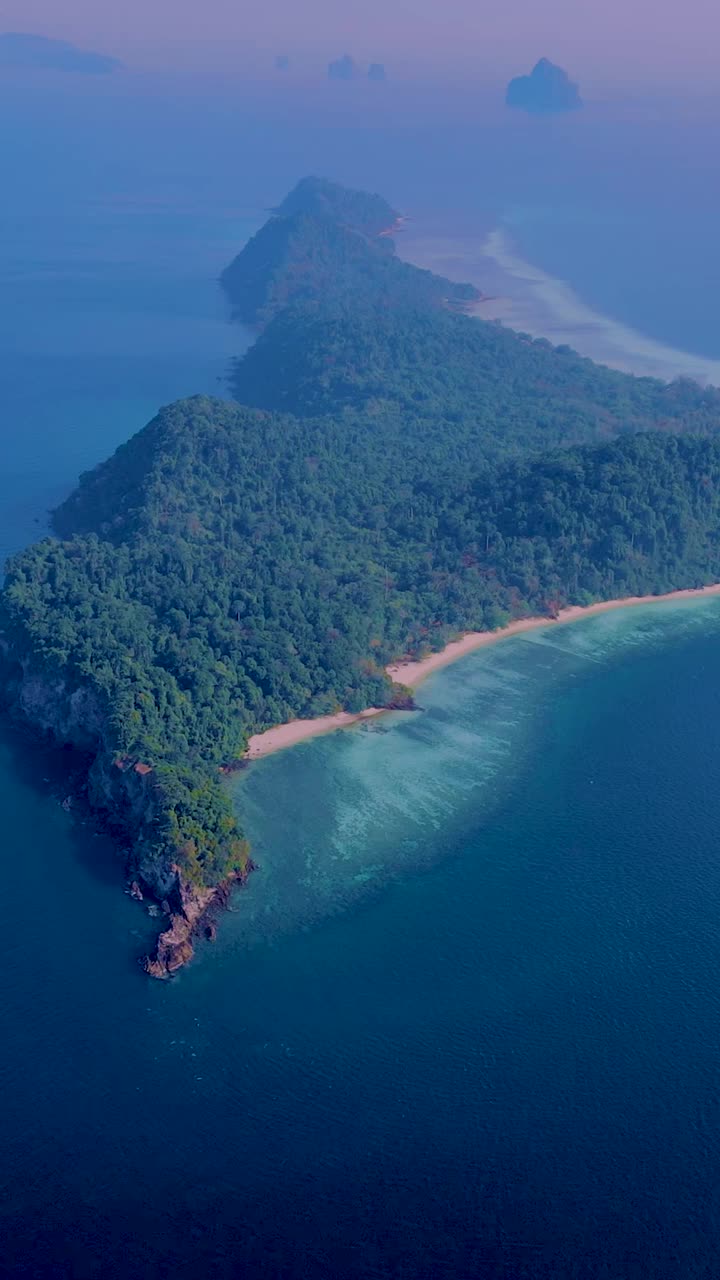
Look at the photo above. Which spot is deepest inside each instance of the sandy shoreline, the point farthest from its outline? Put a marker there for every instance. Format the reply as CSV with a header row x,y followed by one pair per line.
x,y
412,672
287,735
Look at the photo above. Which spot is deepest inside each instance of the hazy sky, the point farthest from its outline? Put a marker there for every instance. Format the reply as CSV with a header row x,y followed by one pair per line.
x,y
600,41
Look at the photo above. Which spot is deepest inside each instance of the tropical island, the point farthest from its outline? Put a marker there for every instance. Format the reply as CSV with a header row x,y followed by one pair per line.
x,y
392,474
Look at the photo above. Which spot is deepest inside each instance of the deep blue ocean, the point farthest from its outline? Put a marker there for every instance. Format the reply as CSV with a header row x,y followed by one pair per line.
x,y
464,1021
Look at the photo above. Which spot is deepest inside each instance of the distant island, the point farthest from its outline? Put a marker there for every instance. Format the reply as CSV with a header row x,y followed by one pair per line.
x,y
344,68
41,53
282,62
392,474
547,90
376,71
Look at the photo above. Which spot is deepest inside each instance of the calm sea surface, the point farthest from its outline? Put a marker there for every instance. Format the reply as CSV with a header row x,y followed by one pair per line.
x,y
465,1019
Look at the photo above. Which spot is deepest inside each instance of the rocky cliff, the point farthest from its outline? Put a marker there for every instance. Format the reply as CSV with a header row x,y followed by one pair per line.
x,y
125,796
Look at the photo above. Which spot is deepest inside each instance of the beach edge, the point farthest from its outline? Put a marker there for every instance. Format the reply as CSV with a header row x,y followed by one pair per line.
x,y
411,672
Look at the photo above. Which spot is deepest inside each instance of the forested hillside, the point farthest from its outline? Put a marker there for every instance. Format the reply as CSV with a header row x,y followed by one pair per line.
x,y
455,382
304,258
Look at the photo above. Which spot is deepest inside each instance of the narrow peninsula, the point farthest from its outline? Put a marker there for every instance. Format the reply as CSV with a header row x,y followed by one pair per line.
x,y
392,474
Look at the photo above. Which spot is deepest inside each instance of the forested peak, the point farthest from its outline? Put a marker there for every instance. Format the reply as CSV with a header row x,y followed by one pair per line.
x,y
361,211
201,436
318,247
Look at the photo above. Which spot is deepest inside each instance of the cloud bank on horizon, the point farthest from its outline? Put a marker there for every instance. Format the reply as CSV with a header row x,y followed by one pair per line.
x,y
645,41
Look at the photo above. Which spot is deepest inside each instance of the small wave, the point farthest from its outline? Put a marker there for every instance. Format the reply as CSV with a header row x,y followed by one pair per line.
x,y
546,306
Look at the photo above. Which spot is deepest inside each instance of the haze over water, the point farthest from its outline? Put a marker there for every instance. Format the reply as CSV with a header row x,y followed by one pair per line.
x,y
464,1020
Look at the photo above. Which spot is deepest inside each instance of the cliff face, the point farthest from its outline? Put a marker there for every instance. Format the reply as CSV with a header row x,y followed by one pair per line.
x,y
125,794
190,914
69,713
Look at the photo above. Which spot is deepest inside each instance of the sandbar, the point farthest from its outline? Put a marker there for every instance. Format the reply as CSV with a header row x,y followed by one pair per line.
x,y
528,299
